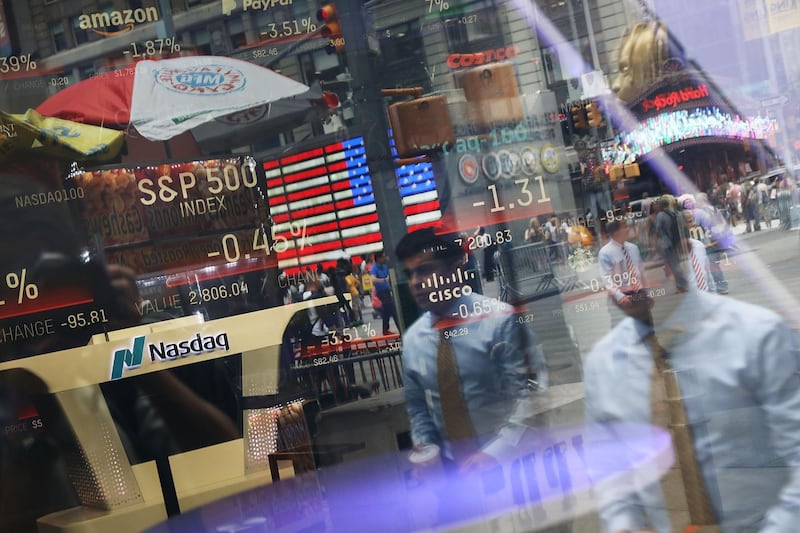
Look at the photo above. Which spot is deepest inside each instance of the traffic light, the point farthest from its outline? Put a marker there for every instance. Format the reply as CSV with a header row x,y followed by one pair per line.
x,y
579,118
331,29
593,115
330,19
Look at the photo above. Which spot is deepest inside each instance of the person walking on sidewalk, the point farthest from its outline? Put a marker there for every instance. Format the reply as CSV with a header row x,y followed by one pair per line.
x,y
465,380
383,288
668,228
750,206
623,269
716,235
354,288
762,195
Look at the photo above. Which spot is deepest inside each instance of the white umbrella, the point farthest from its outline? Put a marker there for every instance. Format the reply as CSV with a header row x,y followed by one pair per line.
x,y
173,95
239,128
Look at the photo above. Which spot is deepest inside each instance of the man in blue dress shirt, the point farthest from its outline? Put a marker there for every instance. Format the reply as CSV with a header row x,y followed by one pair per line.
x,y
493,349
622,267
717,237
738,371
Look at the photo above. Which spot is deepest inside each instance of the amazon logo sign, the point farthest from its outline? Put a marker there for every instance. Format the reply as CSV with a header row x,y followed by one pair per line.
x,y
108,23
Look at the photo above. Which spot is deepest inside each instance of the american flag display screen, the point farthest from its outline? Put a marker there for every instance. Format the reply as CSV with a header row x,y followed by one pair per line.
x,y
417,184
321,202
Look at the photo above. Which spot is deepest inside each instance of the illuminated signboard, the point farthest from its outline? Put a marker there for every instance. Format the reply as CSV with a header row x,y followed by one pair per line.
x,y
53,296
675,98
173,217
417,184
455,61
194,235
321,202
676,126
509,173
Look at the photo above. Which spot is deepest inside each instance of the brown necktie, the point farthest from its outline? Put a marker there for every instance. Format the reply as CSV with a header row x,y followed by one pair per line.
x,y
668,410
457,423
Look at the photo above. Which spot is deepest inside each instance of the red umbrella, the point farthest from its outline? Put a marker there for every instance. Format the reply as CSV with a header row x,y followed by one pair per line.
x,y
102,100
105,100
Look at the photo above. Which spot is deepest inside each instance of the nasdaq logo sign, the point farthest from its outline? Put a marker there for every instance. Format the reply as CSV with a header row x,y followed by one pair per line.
x,y
126,358
162,352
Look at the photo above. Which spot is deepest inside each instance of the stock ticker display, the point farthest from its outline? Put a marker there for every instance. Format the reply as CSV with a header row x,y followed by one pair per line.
x,y
187,236
249,233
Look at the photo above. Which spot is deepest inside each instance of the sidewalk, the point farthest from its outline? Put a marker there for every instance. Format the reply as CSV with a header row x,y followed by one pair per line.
x,y
741,228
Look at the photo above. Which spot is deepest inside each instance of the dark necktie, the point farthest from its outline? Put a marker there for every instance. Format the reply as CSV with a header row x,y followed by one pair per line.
x,y
457,423
669,411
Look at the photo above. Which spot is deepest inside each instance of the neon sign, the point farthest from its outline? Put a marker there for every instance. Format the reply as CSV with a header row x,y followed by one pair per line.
x,y
676,126
672,99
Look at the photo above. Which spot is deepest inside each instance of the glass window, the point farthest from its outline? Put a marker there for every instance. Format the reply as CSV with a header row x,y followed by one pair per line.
x,y
79,35
484,264
237,34
87,71
59,37
478,27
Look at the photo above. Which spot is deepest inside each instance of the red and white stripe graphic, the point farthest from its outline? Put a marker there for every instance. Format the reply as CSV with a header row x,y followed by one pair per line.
x,y
321,201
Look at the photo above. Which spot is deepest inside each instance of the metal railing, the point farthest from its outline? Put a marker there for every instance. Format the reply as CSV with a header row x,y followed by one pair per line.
x,y
528,272
350,373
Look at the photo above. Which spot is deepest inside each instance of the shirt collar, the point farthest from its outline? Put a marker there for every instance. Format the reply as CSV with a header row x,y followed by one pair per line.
x,y
684,320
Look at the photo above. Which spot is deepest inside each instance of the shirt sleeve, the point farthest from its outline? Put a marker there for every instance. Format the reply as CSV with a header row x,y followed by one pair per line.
x,y
607,267
519,350
619,508
423,428
777,385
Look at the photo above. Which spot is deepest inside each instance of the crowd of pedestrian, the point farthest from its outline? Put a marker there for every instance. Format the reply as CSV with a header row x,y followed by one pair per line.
x,y
756,203
366,281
